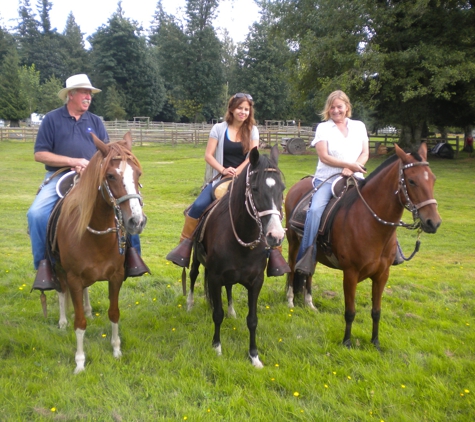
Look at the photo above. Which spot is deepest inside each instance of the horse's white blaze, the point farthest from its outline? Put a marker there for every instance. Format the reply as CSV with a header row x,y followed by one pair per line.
x,y
426,175
80,355
274,227
270,182
129,184
256,362
115,340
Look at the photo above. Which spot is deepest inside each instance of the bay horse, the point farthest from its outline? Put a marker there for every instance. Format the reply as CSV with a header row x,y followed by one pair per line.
x,y
233,241
97,214
363,234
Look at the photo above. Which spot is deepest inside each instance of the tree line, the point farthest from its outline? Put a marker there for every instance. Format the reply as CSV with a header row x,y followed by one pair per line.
x,y
404,64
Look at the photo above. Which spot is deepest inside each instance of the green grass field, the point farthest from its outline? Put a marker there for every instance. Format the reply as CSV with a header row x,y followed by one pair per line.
x,y
169,370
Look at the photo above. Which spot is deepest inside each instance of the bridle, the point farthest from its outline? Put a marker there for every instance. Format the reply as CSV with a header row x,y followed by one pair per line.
x,y
409,205
252,210
118,217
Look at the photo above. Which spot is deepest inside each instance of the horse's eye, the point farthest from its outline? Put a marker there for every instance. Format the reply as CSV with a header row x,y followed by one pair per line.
x,y
110,177
412,183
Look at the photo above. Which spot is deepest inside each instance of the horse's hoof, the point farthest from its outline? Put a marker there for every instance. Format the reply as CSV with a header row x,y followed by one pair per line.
x,y
256,363
217,349
376,345
62,325
347,343
79,369
231,313
117,354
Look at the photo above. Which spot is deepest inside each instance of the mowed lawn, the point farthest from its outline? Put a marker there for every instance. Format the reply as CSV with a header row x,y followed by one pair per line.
x,y
169,371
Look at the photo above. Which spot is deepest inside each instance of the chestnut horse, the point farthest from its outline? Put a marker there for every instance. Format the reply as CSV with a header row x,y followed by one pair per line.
x,y
233,245
363,234
96,215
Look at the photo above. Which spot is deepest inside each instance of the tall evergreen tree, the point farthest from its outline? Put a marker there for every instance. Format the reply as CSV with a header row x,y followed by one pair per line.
x,y
76,59
262,71
13,104
121,59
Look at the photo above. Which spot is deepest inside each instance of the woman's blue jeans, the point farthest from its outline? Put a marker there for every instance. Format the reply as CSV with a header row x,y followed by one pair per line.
x,y
318,203
204,200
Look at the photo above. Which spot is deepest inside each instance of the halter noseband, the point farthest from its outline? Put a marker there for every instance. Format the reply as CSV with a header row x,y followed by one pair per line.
x,y
252,210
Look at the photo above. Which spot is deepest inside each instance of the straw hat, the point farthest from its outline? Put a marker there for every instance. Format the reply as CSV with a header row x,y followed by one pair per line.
x,y
75,82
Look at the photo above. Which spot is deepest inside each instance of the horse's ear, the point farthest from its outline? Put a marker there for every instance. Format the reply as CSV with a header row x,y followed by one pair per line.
x,y
274,154
423,151
127,140
101,146
254,156
401,154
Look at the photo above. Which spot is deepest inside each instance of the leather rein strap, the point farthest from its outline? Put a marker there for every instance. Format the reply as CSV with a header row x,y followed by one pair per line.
x,y
252,210
409,205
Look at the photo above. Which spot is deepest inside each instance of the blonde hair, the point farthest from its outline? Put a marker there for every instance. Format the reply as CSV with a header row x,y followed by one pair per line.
x,y
246,128
336,95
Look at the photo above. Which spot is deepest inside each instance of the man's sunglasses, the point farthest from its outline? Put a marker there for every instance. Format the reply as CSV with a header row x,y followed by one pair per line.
x,y
242,95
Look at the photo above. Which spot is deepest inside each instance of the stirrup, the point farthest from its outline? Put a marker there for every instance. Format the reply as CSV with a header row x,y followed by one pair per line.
x,y
134,264
181,254
45,279
306,264
277,265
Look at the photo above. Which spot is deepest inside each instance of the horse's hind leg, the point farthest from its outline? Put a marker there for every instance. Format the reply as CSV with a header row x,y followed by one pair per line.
x,y
218,314
62,300
229,295
114,315
307,291
377,291
87,303
294,245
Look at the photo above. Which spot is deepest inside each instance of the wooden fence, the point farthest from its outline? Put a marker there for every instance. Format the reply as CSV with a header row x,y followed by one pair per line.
x,y
193,133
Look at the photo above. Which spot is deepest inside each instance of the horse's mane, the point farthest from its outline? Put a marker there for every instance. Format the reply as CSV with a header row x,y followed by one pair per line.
x,y
79,203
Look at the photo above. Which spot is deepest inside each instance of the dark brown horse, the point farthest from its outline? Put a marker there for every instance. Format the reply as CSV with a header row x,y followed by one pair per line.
x,y
363,235
234,244
96,215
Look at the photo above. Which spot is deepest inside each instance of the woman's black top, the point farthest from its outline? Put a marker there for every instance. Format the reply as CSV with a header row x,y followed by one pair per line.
x,y
232,153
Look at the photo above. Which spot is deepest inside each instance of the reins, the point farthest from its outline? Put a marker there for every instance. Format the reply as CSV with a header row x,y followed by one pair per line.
x,y
251,209
409,205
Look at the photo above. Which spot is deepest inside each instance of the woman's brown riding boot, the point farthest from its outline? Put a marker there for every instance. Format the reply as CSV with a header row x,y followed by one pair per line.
x,y
277,265
181,254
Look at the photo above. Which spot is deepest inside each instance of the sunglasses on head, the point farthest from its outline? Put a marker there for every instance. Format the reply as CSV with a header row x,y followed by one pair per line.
x,y
242,95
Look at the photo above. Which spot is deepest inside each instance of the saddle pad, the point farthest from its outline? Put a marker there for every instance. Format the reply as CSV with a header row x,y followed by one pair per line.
x,y
297,219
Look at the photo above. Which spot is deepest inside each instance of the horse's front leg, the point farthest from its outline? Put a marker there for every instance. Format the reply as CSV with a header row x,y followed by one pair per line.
x,y
80,323
229,296
349,288
252,295
114,315
377,292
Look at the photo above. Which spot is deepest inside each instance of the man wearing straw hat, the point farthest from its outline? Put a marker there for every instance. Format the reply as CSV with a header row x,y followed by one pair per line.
x,y
64,143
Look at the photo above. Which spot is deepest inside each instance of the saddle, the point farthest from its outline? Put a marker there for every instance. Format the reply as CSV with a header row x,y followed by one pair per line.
x,y
340,187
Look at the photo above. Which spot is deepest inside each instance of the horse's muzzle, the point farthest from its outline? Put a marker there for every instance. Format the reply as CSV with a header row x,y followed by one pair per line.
x,y
135,225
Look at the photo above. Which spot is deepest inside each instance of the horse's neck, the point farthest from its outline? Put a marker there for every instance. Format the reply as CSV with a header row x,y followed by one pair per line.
x,y
383,196
103,215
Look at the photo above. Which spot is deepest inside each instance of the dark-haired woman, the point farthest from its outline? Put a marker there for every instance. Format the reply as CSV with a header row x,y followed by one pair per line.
x,y
226,155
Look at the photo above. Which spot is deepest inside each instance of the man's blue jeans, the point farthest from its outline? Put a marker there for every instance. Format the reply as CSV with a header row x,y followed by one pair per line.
x,y
38,216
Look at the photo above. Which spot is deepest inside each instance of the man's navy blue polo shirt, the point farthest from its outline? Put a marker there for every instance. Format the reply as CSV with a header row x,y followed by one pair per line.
x,y
61,134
